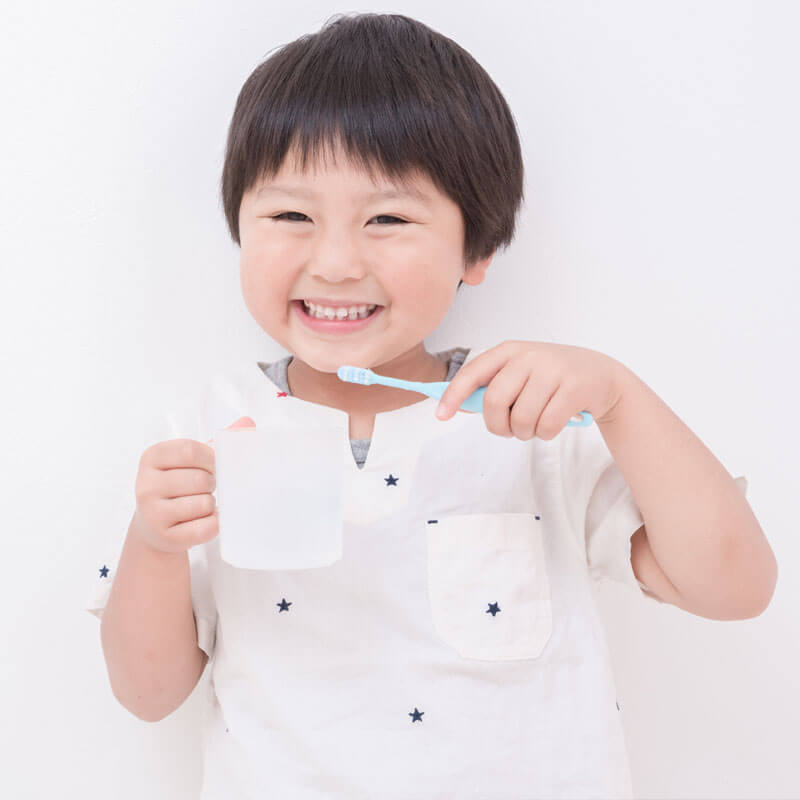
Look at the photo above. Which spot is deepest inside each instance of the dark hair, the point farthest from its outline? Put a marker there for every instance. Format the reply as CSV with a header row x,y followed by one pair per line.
x,y
399,97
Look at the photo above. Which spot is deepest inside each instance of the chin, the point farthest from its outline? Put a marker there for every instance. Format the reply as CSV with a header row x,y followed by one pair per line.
x,y
321,363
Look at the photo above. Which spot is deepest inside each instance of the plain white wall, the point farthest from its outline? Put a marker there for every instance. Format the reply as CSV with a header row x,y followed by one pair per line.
x,y
660,143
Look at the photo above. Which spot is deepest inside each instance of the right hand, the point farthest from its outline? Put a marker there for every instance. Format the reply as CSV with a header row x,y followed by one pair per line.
x,y
175,509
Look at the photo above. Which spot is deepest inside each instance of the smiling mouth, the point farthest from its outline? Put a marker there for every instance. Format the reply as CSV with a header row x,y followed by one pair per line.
x,y
329,315
326,325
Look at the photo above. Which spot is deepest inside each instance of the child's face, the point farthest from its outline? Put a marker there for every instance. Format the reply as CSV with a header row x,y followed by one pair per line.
x,y
337,244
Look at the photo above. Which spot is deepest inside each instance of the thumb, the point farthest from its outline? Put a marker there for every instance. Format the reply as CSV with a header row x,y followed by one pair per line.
x,y
242,422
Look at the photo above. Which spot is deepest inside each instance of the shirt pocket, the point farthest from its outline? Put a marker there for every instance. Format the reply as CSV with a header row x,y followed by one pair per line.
x,y
488,585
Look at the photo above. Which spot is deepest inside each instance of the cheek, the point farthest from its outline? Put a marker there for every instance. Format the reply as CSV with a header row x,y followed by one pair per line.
x,y
251,293
258,259
257,292
423,281
265,289
249,277
428,265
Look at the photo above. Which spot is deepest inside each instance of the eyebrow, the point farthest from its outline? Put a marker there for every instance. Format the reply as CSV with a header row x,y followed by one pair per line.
x,y
299,191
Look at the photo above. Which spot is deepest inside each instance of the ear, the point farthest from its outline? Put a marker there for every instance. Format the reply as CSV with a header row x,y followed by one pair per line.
x,y
475,273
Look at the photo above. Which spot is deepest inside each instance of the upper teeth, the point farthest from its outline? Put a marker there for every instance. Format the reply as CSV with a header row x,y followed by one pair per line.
x,y
330,312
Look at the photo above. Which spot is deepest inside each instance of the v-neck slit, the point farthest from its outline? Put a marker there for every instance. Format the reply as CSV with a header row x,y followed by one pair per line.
x,y
277,373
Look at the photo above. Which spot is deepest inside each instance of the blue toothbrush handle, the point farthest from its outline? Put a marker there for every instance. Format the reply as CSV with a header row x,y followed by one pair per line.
x,y
475,403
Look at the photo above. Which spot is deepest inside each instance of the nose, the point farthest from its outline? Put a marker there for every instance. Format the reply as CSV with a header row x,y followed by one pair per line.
x,y
335,257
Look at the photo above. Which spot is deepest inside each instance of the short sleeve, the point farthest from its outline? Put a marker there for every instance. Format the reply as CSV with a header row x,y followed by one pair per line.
x,y
203,604
601,507
176,424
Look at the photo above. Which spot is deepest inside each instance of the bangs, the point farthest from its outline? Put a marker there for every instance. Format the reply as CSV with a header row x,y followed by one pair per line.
x,y
397,100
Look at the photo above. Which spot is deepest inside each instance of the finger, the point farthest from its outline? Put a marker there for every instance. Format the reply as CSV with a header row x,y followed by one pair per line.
x,y
187,482
555,414
503,393
529,407
471,377
179,453
242,422
186,508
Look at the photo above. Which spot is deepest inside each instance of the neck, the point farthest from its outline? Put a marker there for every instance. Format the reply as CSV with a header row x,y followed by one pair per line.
x,y
327,389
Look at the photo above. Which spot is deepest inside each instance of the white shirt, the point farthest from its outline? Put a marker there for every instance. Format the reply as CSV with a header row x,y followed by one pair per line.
x,y
455,650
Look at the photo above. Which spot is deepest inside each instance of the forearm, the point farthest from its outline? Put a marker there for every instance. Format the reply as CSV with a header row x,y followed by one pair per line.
x,y
700,526
148,630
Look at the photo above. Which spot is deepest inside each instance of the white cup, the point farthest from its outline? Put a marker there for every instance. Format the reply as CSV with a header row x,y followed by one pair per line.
x,y
279,496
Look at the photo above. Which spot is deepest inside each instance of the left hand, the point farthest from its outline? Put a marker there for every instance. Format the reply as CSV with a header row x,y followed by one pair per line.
x,y
535,388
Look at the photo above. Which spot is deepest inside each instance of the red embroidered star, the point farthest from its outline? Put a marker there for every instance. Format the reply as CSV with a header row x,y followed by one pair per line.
x,y
282,394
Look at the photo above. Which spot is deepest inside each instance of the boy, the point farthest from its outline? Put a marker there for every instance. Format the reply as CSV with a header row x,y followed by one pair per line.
x,y
454,650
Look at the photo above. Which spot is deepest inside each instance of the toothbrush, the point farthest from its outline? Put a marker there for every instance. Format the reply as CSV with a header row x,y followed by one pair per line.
x,y
436,389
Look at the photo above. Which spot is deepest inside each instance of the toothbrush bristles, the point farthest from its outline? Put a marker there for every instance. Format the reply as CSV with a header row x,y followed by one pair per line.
x,y
354,375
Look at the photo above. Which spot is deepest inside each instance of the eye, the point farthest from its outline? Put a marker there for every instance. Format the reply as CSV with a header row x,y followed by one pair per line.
x,y
297,213
286,213
386,216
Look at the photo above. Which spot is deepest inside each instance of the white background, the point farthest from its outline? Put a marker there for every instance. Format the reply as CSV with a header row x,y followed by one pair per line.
x,y
660,226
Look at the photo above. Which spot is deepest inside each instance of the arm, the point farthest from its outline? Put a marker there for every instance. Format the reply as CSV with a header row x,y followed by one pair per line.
x,y
148,630
700,537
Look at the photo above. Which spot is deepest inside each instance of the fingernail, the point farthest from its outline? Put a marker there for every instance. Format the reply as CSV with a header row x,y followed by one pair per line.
x,y
442,411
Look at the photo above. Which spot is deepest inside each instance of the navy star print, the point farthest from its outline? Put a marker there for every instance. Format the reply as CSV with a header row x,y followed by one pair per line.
x,y
416,714
104,571
493,609
391,480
